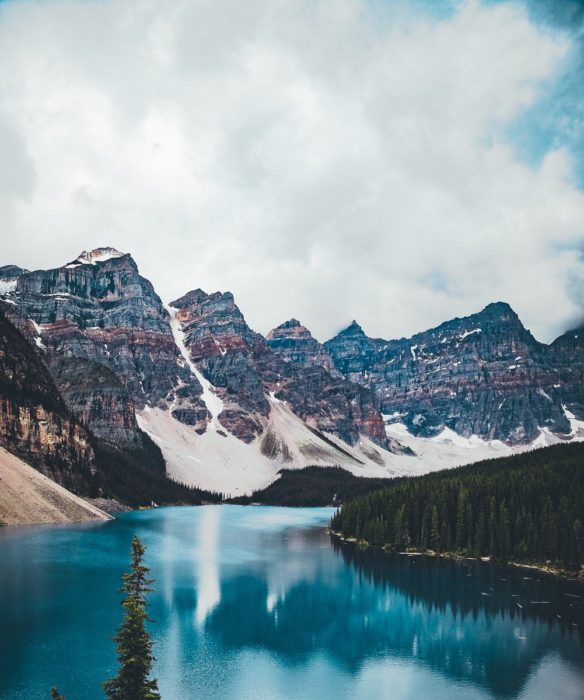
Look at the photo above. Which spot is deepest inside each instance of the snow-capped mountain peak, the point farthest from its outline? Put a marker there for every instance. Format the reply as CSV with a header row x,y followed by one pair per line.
x,y
89,257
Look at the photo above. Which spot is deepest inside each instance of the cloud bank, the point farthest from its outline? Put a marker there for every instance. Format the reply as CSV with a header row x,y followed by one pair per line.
x,y
324,160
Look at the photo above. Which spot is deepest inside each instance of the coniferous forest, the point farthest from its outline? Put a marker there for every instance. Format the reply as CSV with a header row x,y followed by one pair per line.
x,y
526,508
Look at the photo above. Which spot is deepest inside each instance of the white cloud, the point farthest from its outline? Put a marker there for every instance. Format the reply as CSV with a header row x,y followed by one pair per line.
x,y
313,159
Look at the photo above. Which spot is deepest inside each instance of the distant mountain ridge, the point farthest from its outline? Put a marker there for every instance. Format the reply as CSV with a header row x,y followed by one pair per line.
x,y
229,407
483,375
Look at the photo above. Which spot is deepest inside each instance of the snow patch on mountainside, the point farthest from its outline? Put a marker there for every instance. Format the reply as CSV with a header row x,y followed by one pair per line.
x,y
223,463
300,446
90,257
7,286
210,461
213,402
448,449
576,426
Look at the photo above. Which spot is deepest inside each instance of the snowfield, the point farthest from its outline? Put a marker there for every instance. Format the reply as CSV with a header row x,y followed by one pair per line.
x,y
225,464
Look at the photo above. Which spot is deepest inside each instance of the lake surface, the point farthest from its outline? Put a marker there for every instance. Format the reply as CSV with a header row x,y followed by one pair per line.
x,y
258,603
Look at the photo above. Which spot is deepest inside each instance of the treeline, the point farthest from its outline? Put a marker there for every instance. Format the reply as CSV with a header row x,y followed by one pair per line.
x,y
138,477
524,508
312,487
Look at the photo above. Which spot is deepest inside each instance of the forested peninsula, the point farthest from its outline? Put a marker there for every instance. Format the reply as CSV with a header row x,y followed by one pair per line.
x,y
526,509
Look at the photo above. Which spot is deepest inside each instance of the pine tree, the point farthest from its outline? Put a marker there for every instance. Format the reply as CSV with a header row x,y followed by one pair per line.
x,y
462,521
400,527
134,645
435,532
504,533
574,553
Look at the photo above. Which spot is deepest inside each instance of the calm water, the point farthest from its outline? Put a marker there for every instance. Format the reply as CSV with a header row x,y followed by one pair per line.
x,y
258,603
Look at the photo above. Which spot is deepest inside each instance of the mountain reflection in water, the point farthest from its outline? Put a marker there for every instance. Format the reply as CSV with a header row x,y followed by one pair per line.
x,y
259,603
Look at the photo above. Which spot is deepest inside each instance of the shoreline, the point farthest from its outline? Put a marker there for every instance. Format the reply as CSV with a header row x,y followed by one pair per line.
x,y
553,572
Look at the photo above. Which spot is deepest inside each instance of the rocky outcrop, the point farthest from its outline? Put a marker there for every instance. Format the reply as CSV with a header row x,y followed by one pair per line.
x,y
482,375
318,392
290,365
38,427
35,424
96,396
225,350
567,357
99,309
294,343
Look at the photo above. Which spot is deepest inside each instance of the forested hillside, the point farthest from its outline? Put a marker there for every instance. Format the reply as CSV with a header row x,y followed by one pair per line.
x,y
312,487
524,508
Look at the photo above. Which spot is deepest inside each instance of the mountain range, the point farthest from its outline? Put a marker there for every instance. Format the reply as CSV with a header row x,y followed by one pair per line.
x,y
111,392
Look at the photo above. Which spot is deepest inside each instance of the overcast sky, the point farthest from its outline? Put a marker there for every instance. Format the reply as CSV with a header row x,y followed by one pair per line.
x,y
396,162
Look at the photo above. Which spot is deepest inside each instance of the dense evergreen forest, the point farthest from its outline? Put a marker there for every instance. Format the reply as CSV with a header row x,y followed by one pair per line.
x,y
313,486
524,508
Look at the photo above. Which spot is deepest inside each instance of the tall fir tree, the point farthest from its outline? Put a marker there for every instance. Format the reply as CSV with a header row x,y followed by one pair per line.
x,y
134,645
435,532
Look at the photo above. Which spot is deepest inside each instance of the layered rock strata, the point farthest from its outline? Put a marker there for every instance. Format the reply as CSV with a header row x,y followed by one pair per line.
x,y
482,375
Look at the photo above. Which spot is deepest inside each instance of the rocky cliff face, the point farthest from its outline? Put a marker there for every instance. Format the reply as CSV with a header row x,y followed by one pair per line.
x,y
245,369
35,424
484,375
316,388
9,274
294,343
96,396
224,348
100,310
567,357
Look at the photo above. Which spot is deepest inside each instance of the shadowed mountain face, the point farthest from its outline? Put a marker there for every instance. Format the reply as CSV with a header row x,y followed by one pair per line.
x,y
568,357
35,424
481,375
38,426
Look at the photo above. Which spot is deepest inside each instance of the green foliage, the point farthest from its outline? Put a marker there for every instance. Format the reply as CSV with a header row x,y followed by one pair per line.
x,y
313,486
134,645
524,508
138,477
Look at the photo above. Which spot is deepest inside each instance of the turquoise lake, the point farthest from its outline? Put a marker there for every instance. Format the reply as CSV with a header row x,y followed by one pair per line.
x,y
258,602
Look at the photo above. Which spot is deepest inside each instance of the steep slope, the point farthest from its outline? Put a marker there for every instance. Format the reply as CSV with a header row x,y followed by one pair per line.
x,y
99,309
294,343
37,426
229,407
113,349
482,375
27,497
567,357
265,412
246,369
